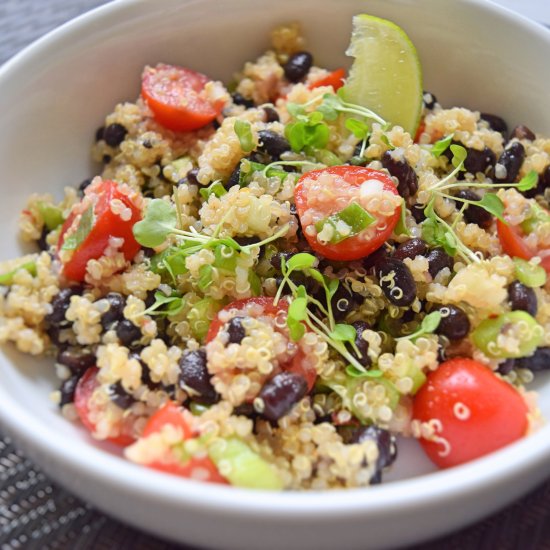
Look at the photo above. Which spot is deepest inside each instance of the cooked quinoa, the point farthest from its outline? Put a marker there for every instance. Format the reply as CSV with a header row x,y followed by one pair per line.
x,y
207,317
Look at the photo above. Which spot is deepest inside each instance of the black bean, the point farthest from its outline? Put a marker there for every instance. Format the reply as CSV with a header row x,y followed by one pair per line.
x,y
375,258
115,312
106,159
67,389
362,345
410,249
508,165
522,298
397,282
479,161
522,132
403,171
272,143
41,242
84,184
343,302
387,447
297,66
239,99
496,123
119,396
76,359
540,360
429,100
99,133
60,305
145,371
114,134
194,375
417,211
276,259
127,332
506,367
192,176
438,259
454,323
542,184
280,394
271,115
474,214
234,177
147,144
235,330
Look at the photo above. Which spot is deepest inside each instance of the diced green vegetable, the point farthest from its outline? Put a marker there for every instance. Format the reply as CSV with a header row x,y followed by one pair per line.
x,y
244,133
530,275
538,215
51,214
74,240
243,467
201,315
530,336
348,222
6,279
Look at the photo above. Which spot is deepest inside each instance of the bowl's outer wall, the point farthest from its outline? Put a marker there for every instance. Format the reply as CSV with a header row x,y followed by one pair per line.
x,y
56,93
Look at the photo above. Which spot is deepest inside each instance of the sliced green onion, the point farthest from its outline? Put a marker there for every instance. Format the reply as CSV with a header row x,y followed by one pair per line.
x,y
51,214
529,274
6,279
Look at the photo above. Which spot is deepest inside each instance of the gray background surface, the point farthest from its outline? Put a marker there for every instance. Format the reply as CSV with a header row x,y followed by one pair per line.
x,y
36,513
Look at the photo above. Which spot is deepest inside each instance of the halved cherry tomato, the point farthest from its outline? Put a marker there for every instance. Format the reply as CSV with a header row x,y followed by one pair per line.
x,y
174,94
476,411
297,364
334,79
419,131
106,224
512,242
171,414
82,395
354,247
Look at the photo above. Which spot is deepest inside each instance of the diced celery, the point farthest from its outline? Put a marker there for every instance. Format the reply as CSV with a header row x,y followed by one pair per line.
x,y
201,315
6,279
51,214
529,274
243,467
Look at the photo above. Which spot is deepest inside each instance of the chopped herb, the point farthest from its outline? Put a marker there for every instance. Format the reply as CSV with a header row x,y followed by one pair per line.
x,y
244,133
74,240
51,214
6,279
347,223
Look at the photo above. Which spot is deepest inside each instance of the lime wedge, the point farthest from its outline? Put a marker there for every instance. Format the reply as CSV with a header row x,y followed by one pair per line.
x,y
386,75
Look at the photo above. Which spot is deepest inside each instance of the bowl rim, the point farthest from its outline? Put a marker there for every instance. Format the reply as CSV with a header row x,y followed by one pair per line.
x,y
467,479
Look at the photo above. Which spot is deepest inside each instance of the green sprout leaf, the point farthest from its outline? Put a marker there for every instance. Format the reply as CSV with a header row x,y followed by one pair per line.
x,y
295,109
343,333
401,227
307,131
440,146
173,302
358,128
354,372
492,204
353,218
216,188
159,221
430,322
300,261
384,139
459,156
297,312
74,240
244,133
529,181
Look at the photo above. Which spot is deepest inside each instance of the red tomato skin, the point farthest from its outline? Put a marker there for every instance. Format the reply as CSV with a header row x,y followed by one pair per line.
x,y
83,392
334,79
107,224
497,413
512,242
297,364
170,413
172,93
352,248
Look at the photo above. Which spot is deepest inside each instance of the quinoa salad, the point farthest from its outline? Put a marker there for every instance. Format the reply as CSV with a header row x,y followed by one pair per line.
x,y
268,284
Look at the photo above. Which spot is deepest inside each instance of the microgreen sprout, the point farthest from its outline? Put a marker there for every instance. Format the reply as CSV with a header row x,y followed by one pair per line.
x,y
300,316
174,304
428,325
216,188
244,133
160,222
272,165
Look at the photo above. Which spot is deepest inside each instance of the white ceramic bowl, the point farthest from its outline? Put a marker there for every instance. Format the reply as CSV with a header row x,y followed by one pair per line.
x,y
55,94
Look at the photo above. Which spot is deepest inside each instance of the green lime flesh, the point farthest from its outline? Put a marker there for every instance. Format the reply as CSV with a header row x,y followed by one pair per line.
x,y
386,75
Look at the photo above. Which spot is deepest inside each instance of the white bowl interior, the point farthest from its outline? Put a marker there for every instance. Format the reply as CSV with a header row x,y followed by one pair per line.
x,y
59,92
